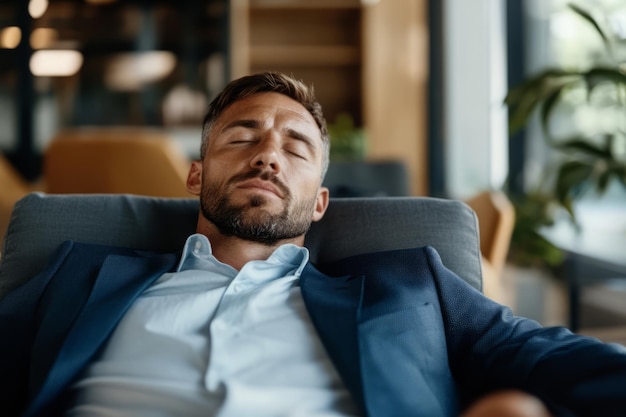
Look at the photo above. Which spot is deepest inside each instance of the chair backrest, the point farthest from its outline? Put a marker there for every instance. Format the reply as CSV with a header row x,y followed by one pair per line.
x,y
351,226
367,179
496,219
12,188
115,160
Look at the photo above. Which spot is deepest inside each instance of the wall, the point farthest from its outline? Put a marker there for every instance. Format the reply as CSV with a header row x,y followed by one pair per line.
x,y
475,86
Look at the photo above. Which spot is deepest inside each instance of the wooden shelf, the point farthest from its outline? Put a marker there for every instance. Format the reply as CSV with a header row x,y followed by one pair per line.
x,y
312,56
305,4
315,40
360,57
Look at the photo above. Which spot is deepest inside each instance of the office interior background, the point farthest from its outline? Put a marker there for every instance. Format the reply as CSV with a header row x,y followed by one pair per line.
x,y
423,81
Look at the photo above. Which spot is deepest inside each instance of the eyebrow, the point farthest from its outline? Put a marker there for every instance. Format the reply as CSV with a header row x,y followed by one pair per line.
x,y
255,124
247,123
294,134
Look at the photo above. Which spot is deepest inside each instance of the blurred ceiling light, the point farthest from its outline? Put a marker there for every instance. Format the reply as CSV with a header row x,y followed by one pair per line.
x,y
36,8
182,104
55,63
10,37
42,38
131,71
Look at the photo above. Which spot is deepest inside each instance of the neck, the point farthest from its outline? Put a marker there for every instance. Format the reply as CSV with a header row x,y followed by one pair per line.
x,y
235,251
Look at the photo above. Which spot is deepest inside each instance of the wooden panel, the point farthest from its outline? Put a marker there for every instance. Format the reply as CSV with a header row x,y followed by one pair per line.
x,y
305,27
316,41
370,61
395,77
312,56
239,38
337,89
305,4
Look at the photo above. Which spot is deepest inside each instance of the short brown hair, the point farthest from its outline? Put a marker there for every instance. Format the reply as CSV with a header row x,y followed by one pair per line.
x,y
267,82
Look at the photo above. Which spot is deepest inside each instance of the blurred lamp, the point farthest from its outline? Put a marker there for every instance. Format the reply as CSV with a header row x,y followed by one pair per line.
x,y
131,71
55,63
42,38
10,37
36,8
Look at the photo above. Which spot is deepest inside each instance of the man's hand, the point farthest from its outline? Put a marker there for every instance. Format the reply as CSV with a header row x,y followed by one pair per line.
x,y
509,403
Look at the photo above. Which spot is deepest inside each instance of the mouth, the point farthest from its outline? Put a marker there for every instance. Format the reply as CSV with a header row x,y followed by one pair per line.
x,y
256,184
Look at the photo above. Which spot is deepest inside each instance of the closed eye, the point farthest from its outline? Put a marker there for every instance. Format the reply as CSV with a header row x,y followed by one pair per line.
x,y
240,141
297,155
298,149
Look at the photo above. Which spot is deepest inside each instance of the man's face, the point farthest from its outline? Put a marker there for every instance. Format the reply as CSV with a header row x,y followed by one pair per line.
x,y
261,177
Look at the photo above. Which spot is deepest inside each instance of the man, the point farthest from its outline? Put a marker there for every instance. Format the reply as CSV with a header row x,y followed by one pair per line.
x,y
241,324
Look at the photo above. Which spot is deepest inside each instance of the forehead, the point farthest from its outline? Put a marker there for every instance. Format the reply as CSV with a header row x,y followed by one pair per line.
x,y
268,106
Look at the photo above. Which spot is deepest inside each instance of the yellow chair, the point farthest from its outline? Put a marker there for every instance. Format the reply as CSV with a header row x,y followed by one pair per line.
x,y
496,219
13,187
115,161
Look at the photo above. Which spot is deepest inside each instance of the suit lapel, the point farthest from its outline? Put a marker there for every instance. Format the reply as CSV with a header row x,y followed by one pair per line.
x,y
120,281
333,304
383,328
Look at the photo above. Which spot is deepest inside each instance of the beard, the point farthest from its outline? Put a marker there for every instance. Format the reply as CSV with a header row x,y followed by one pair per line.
x,y
249,220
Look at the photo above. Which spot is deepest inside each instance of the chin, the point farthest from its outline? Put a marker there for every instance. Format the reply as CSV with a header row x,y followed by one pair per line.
x,y
258,201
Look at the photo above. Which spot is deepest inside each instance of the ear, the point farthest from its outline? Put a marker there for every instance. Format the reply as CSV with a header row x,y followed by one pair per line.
x,y
194,178
323,196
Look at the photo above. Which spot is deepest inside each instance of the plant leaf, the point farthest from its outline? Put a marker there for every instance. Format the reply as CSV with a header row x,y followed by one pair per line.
x,y
603,180
570,181
526,97
599,75
571,175
538,82
582,144
587,16
548,106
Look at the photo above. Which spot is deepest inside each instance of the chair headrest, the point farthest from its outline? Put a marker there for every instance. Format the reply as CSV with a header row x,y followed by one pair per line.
x,y
351,226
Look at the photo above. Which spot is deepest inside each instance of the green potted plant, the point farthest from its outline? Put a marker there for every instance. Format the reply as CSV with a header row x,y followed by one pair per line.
x,y
347,140
587,159
528,248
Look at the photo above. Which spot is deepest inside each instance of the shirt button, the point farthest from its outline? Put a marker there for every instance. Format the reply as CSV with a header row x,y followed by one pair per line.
x,y
237,287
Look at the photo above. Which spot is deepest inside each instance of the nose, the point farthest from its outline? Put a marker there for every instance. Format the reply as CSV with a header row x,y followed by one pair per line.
x,y
266,155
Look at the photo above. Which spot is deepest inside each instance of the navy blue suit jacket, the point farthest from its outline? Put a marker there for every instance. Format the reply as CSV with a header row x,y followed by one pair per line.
x,y
408,337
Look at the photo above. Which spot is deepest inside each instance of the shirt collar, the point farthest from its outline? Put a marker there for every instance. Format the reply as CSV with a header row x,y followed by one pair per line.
x,y
197,252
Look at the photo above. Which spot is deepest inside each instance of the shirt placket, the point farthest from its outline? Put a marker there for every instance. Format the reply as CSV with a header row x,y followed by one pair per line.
x,y
225,332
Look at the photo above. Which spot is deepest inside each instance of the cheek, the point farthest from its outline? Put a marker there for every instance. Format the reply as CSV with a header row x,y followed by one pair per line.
x,y
310,176
218,168
225,163
307,190
217,174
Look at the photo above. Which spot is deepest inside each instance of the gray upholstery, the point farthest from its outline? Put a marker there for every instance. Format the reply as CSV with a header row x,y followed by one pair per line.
x,y
367,179
351,226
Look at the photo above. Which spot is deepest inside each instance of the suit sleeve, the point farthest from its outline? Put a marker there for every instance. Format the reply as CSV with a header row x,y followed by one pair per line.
x,y
19,314
489,348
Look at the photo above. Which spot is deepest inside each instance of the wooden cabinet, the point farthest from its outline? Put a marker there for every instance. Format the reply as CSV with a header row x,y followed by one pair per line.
x,y
317,41
366,58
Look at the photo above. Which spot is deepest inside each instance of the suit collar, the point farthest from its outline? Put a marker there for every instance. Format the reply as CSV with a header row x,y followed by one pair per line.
x,y
339,309
333,305
120,281
387,311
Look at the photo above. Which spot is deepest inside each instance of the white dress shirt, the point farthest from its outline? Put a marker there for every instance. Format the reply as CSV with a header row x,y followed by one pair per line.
x,y
209,340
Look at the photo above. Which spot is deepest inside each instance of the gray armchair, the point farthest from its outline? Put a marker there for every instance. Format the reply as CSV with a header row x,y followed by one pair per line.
x,y
351,226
